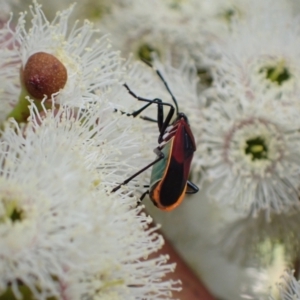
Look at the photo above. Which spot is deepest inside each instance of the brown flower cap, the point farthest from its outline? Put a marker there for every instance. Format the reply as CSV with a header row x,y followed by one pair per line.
x,y
43,75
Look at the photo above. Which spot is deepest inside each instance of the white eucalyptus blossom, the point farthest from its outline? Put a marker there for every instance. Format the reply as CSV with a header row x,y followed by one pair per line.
x,y
248,149
43,215
154,26
111,143
259,63
122,268
89,63
54,176
219,15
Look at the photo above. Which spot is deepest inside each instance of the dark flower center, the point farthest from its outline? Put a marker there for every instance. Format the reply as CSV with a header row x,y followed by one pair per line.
x,y
278,73
229,14
205,77
256,148
12,212
16,215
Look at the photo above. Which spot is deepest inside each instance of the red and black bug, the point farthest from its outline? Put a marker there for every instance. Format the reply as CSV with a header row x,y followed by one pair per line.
x,y
169,178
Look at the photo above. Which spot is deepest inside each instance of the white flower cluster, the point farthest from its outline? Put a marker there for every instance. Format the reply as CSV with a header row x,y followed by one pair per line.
x,y
63,147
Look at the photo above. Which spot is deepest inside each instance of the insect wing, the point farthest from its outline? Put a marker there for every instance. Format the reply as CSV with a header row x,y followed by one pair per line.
x,y
184,147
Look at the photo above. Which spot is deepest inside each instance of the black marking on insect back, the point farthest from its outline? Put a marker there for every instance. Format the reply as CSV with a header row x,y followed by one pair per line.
x,y
189,148
173,184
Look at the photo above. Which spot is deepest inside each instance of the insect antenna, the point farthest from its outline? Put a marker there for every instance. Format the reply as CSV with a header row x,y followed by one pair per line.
x,y
165,83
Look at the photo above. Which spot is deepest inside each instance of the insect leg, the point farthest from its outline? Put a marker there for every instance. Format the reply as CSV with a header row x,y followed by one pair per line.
x,y
160,157
193,189
165,84
162,125
142,197
142,117
165,124
148,119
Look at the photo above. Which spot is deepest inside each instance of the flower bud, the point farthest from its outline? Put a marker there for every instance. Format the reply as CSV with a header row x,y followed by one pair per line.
x,y
43,75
